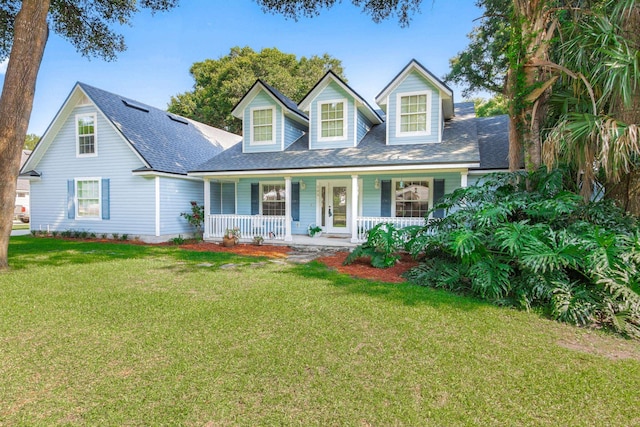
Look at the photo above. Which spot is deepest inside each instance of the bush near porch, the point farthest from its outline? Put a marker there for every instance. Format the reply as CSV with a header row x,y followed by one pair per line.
x,y
538,249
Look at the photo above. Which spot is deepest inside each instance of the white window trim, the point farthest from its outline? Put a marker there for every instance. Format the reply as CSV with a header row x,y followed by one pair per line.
x,y
393,190
75,197
427,131
261,186
345,120
95,135
273,125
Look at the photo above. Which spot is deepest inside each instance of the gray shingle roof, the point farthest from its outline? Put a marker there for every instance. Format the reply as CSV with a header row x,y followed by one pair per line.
x,y
493,139
459,145
168,145
286,101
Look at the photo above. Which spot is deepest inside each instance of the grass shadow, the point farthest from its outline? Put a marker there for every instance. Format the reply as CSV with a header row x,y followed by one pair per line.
x,y
25,251
405,293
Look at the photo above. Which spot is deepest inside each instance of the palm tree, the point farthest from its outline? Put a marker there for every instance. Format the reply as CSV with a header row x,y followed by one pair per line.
x,y
597,128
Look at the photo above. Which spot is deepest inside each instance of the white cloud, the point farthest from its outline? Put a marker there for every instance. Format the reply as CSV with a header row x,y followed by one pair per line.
x,y
3,66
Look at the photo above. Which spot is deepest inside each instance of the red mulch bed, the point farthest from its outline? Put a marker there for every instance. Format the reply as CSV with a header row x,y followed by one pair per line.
x,y
270,251
361,268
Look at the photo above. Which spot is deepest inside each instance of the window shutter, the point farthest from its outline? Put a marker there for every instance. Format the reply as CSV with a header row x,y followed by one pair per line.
x,y
438,193
385,198
295,201
228,191
71,204
105,199
255,198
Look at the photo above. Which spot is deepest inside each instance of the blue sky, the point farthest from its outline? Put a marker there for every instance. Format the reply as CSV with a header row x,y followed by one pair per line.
x,y
162,48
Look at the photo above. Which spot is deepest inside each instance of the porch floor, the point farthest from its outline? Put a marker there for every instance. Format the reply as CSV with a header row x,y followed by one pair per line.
x,y
326,241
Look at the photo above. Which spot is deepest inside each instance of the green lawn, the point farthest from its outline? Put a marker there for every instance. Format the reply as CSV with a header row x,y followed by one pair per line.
x,y
119,334
20,226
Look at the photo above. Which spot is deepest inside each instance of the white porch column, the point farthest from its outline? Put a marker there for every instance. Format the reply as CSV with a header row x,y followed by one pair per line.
x,y
354,208
287,209
207,207
463,179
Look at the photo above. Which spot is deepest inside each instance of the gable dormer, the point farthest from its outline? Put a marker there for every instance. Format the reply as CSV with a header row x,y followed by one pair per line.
x,y
338,116
270,120
416,104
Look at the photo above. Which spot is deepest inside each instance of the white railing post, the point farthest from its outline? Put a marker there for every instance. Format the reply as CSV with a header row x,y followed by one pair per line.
x,y
207,208
287,209
354,208
250,226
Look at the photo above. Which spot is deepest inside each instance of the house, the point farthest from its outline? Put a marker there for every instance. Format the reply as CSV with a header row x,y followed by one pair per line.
x,y
335,162
109,164
21,211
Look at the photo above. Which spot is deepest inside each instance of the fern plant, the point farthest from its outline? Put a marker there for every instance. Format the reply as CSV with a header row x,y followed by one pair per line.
x,y
538,247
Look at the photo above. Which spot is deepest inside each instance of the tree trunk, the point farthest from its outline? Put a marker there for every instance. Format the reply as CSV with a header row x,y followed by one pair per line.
x,y
29,39
626,193
532,31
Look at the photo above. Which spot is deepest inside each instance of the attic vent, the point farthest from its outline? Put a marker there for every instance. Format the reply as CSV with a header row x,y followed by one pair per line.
x,y
135,105
178,119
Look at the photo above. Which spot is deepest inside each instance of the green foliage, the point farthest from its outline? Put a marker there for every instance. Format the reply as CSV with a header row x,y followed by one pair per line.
x,y
30,141
382,245
495,106
221,83
178,240
195,217
482,66
379,10
86,24
579,262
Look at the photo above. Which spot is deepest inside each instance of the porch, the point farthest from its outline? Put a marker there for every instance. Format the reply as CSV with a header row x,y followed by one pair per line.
x,y
277,230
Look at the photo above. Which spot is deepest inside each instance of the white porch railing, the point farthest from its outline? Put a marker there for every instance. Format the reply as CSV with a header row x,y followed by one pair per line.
x,y
250,226
367,223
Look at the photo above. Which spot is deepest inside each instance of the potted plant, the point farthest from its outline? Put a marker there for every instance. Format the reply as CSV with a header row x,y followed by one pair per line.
x,y
231,237
315,230
258,240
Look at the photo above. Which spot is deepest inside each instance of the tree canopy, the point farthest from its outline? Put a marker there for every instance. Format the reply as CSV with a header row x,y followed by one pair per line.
x,y
221,83
30,141
377,9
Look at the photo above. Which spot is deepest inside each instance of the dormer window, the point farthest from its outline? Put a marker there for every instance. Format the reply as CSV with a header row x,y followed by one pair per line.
x,y
86,135
413,114
332,121
262,126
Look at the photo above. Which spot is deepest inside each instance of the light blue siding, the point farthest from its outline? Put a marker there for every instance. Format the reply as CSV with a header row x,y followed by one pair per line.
x,y
332,92
414,82
292,131
261,100
363,126
175,198
132,198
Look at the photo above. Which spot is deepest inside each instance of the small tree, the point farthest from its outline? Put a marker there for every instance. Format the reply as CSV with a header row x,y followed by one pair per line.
x,y
195,218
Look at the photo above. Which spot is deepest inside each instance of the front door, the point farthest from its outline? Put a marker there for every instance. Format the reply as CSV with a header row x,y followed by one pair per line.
x,y
334,206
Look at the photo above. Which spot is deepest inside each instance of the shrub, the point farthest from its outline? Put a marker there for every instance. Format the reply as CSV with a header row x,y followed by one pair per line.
x,y
382,246
178,240
115,236
195,217
545,247
124,237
